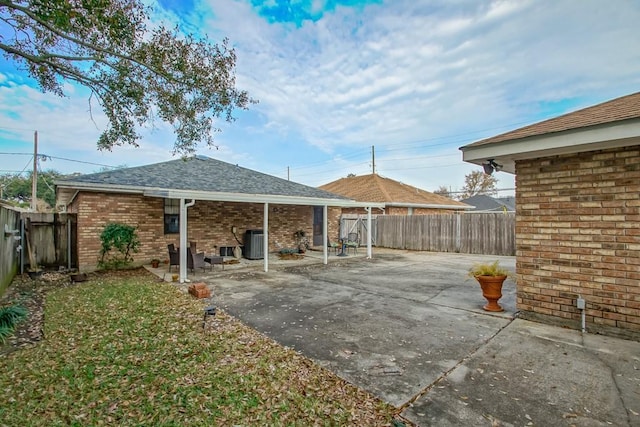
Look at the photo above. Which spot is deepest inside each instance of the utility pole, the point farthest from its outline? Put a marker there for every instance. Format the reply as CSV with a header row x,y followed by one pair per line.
x,y
373,158
288,178
34,176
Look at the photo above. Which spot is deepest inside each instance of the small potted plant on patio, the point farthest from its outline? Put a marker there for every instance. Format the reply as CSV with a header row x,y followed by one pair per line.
x,y
155,263
491,276
302,241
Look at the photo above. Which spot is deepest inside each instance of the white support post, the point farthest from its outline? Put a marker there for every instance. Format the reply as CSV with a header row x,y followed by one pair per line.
x,y
369,250
183,239
265,230
325,234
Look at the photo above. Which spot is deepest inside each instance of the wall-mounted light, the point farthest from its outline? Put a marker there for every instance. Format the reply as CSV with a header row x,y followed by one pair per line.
x,y
491,166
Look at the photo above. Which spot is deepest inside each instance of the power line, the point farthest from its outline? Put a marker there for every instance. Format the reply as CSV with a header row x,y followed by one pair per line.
x,y
60,158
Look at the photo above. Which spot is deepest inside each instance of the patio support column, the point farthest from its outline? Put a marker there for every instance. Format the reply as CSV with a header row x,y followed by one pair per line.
x,y
183,238
265,230
369,251
325,235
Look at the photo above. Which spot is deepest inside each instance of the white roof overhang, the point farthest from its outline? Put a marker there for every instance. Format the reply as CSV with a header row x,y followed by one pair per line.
x,y
428,206
219,196
600,137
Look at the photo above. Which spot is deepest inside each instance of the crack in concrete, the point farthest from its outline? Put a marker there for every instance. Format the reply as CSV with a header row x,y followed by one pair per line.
x,y
445,374
596,353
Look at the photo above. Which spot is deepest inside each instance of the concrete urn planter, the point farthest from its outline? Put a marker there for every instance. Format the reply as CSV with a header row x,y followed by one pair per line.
x,y
492,291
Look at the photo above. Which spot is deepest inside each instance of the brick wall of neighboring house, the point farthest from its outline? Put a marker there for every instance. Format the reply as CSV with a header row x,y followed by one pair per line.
x,y
209,224
578,233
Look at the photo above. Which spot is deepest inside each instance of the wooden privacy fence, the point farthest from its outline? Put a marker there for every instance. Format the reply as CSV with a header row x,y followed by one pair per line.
x,y
51,238
10,246
473,233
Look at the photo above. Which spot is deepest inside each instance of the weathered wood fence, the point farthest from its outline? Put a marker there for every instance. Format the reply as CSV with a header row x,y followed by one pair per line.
x,y
49,238
9,248
473,233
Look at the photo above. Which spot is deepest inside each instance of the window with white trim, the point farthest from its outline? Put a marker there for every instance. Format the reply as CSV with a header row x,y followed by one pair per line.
x,y
171,216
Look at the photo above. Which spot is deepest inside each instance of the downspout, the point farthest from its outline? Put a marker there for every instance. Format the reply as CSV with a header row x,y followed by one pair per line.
x,y
183,238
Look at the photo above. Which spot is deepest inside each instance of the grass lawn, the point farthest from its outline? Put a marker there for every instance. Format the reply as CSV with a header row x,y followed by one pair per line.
x,y
127,350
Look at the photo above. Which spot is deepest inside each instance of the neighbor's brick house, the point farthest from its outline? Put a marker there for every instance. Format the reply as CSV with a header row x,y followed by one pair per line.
x,y
226,196
577,215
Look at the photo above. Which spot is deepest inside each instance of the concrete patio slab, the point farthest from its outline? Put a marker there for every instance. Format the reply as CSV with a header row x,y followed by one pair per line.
x,y
409,328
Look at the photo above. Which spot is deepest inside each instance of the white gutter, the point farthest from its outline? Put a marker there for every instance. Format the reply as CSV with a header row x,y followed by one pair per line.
x,y
600,137
220,196
429,206
183,238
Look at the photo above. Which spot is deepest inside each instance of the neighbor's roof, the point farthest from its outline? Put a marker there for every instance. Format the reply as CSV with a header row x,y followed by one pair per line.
x,y
199,177
482,202
375,188
623,108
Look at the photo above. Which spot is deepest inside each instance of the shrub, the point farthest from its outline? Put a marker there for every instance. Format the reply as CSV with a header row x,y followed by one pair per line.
x,y
9,318
119,241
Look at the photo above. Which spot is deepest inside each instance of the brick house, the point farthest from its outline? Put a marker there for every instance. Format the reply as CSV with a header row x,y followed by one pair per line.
x,y
227,201
577,214
397,198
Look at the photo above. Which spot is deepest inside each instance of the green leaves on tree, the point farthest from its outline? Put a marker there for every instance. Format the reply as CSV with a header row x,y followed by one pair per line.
x,y
134,73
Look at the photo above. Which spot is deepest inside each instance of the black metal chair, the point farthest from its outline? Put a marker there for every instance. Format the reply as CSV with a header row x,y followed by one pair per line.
x,y
353,241
333,245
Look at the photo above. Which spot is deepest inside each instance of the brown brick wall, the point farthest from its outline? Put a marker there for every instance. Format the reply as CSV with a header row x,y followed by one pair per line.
x,y
578,233
209,224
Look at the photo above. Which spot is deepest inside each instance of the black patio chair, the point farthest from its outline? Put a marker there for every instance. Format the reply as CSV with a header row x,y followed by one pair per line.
x,y
174,256
196,260
353,241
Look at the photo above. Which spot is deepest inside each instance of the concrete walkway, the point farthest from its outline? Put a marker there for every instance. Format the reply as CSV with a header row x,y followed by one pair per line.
x,y
409,328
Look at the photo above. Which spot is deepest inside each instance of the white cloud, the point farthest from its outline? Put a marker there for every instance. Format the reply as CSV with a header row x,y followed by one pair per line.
x,y
404,71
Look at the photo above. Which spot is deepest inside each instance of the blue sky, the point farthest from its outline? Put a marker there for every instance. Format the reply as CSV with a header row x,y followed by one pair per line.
x,y
415,79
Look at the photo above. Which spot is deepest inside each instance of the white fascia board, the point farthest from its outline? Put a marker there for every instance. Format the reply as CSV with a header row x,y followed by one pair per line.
x,y
257,198
616,135
101,187
216,196
429,206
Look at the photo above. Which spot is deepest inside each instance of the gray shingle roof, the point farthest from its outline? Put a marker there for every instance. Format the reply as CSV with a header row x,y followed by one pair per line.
x,y
483,202
200,173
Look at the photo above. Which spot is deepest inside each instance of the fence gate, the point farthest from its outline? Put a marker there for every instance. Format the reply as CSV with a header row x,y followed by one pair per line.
x,y
353,223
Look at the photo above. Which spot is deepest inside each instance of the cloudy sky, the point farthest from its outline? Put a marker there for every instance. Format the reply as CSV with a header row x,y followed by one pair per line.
x,y
416,79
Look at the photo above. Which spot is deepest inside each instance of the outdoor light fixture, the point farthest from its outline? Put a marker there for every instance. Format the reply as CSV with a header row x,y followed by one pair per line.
x,y
491,166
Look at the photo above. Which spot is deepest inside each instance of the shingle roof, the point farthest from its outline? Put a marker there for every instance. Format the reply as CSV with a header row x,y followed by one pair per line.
x,y
375,188
623,108
200,173
483,202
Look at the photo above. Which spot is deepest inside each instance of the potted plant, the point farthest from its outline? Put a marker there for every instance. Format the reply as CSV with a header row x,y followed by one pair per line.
x,y
491,276
302,241
155,263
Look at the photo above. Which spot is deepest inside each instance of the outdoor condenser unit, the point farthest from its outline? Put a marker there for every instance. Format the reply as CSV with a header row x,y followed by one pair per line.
x,y
253,244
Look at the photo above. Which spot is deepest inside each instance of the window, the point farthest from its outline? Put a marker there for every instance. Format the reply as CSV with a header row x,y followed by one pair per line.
x,y
171,216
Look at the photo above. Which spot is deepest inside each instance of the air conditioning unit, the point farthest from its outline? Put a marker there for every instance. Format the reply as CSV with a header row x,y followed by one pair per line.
x,y
254,244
